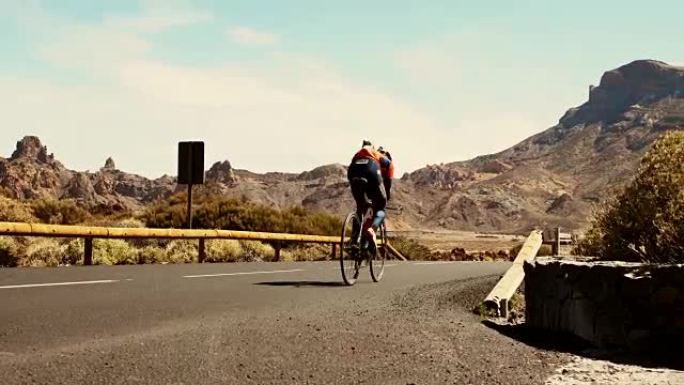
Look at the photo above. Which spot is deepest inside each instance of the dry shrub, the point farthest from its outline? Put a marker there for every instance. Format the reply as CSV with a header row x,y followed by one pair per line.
x,y
223,251
59,212
128,223
315,252
73,251
255,251
181,252
9,252
12,210
43,252
544,250
114,252
411,249
646,221
216,212
152,254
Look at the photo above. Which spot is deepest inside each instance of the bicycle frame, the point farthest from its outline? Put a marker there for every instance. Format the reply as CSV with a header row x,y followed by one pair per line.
x,y
359,251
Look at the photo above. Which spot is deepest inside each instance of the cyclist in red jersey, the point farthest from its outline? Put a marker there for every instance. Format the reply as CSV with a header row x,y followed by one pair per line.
x,y
370,176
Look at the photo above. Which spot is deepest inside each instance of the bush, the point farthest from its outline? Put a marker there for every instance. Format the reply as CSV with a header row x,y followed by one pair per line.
x,y
256,251
181,252
109,212
9,252
544,251
43,252
646,221
223,251
152,254
674,119
73,252
5,192
132,223
128,223
14,211
287,256
315,252
410,248
114,252
63,212
233,214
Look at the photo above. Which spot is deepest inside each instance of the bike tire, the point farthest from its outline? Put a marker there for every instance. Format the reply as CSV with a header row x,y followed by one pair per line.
x,y
377,263
349,263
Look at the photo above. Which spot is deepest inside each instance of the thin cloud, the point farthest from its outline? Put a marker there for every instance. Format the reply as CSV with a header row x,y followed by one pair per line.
x,y
432,63
160,22
301,111
250,36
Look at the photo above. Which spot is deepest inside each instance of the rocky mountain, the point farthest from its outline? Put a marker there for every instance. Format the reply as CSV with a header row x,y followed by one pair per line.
x,y
552,178
32,173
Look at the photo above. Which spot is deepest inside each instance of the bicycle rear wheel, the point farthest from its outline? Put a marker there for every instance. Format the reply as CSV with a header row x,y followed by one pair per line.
x,y
377,265
349,250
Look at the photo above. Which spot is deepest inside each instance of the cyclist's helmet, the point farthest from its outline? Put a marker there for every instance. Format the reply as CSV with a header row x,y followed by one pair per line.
x,y
384,152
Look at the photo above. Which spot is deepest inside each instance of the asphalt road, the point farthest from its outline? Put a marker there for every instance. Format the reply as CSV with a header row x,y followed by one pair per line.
x,y
257,323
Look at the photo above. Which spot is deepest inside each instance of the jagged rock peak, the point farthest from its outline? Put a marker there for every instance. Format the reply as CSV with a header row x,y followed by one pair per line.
x,y
221,172
109,164
639,82
30,147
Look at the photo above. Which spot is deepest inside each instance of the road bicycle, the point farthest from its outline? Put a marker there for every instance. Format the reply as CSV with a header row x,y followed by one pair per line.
x,y
357,251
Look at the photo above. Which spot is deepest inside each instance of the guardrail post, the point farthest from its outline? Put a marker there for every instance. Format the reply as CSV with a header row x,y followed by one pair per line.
x,y
202,251
556,242
334,251
277,253
88,252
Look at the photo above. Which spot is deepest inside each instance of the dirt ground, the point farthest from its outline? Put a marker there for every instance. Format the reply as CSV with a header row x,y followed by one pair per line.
x,y
444,240
582,370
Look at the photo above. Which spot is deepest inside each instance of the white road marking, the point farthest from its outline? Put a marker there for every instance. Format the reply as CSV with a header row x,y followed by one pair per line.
x,y
58,284
366,265
243,273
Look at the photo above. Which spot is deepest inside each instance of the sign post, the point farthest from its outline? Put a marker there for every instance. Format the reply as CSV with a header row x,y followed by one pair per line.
x,y
190,169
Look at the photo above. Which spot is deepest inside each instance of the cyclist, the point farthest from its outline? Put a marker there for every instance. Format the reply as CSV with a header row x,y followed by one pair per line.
x,y
387,174
370,176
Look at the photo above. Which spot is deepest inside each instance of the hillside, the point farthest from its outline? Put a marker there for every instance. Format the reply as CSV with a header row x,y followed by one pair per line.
x,y
552,178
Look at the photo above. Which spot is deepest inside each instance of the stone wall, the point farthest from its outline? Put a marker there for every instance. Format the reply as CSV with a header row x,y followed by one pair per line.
x,y
609,304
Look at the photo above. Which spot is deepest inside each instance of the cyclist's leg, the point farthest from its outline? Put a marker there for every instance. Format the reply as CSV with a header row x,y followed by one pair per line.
x,y
359,193
379,202
376,192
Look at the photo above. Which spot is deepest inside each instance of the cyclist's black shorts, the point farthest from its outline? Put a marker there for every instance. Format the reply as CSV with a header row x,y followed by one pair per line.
x,y
366,181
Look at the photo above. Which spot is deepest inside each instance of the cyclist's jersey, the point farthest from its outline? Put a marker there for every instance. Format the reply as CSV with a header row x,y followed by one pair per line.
x,y
385,164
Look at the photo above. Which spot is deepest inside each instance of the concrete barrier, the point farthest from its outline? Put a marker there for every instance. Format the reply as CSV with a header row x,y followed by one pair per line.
x,y
609,304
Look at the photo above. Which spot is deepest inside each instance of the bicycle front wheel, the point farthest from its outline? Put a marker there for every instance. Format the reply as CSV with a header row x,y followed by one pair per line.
x,y
377,265
349,250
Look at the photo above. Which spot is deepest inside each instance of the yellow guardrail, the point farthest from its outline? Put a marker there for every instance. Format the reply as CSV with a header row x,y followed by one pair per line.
x,y
42,230
500,296
91,232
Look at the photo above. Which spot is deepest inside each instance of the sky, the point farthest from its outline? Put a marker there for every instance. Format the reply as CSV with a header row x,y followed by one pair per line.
x,y
291,85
